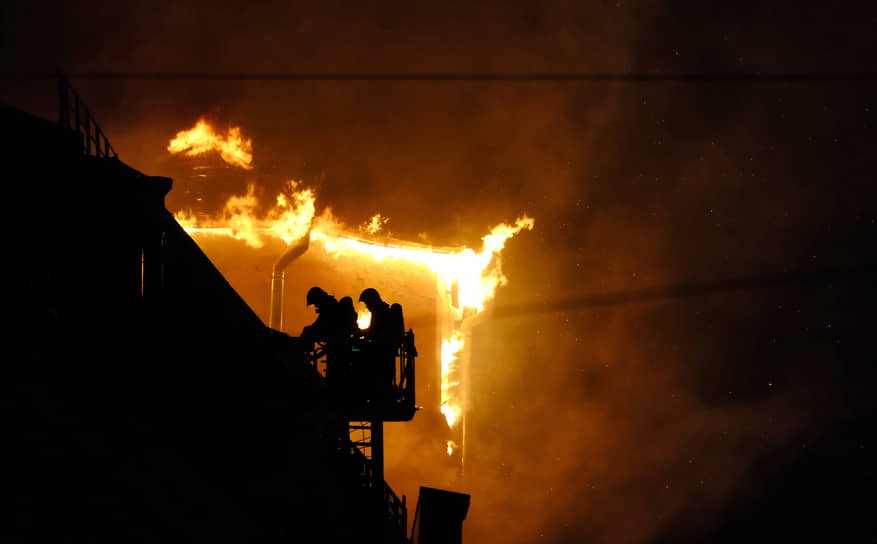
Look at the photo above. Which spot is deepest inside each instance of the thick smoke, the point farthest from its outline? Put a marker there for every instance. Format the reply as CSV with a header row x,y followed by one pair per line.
x,y
635,423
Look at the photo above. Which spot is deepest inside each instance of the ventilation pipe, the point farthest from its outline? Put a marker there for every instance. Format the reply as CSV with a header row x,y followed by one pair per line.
x,y
278,275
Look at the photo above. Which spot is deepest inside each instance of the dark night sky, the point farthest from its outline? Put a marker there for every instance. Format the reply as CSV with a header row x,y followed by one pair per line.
x,y
701,418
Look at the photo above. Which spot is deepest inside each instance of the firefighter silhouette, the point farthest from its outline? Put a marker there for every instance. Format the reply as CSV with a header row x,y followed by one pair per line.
x,y
326,326
382,339
347,318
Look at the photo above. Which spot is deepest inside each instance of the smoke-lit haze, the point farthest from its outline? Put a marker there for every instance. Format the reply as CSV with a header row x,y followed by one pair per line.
x,y
630,423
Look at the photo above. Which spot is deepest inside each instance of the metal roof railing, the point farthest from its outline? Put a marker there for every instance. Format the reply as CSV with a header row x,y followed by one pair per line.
x,y
74,115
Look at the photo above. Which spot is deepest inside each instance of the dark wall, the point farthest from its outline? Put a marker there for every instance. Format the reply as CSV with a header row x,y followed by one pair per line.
x,y
143,411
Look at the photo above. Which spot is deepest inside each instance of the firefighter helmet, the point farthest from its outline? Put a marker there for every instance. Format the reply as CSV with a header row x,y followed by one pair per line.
x,y
370,296
316,296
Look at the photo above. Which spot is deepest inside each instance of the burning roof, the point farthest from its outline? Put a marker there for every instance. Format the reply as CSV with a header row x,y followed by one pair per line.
x,y
468,277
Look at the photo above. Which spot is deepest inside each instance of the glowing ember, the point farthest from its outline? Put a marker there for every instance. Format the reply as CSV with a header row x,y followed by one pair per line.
x,y
203,138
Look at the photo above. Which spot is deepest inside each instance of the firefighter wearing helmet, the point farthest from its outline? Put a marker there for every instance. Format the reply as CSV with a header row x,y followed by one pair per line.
x,y
326,324
383,336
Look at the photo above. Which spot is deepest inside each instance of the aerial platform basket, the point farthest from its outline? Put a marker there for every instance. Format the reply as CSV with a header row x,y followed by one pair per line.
x,y
360,381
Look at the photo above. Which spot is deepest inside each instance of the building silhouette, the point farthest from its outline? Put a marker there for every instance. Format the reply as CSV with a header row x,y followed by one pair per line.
x,y
149,402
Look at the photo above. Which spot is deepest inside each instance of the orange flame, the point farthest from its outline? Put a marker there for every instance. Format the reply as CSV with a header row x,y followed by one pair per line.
x,y
203,138
363,318
451,401
471,271
475,274
289,219
375,224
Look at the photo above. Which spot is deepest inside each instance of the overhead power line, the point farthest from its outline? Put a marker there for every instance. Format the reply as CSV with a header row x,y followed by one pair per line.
x,y
685,290
719,77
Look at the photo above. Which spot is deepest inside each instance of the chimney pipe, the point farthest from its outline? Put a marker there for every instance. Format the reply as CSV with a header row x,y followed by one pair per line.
x,y
278,276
